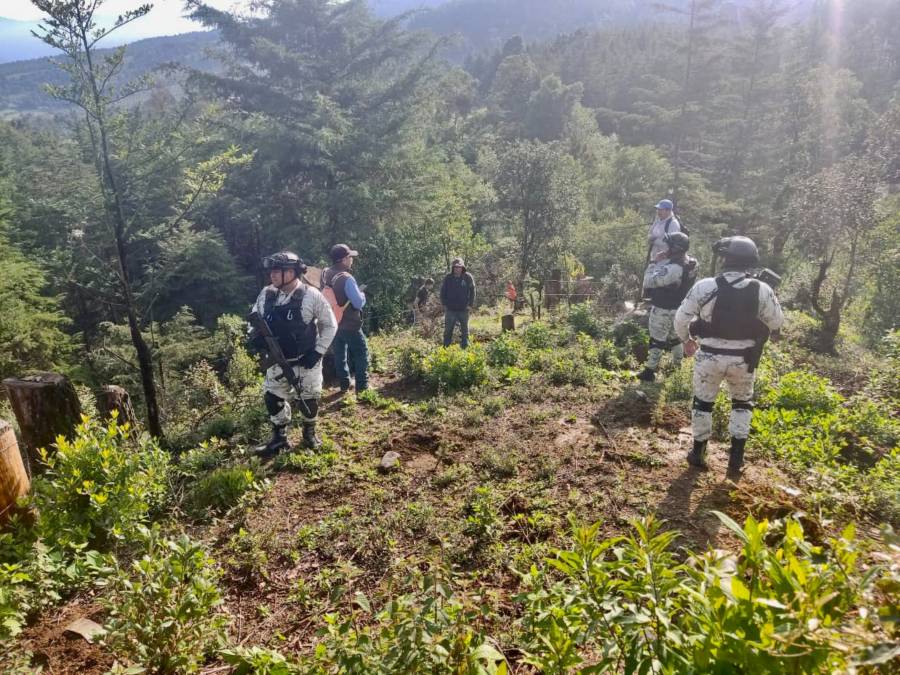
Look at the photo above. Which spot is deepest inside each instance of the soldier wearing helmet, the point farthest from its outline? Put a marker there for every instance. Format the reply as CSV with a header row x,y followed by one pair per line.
x,y
729,316
667,280
301,320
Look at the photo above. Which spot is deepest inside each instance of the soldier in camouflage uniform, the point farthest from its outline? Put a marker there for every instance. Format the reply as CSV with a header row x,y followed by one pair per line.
x,y
730,315
667,281
301,320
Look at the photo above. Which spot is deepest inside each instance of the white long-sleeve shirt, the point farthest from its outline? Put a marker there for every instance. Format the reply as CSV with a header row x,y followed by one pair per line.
x,y
657,233
693,307
314,307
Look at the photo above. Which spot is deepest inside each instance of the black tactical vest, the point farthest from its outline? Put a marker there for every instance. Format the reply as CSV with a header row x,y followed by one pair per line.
x,y
735,316
295,337
670,297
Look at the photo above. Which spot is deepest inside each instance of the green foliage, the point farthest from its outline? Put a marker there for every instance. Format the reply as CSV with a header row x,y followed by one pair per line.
x,y
32,333
314,466
504,350
258,661
100,485
583,320
483,522
626,603
411,358
804,392
431,629
222,489
453,368
164,609
537,335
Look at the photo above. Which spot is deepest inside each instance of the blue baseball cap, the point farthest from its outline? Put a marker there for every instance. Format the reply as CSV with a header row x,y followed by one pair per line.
x,y
665,204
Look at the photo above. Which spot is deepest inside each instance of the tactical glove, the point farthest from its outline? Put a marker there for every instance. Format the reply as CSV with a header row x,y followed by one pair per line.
x,y
310,359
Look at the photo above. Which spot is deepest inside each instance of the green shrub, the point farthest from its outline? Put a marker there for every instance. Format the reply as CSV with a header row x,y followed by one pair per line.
x,y
804,392
583,320
537,335
315,466
482,517
433,629
411,358
221,489
504,350
100,485
453,369
164,610
627,604
258,661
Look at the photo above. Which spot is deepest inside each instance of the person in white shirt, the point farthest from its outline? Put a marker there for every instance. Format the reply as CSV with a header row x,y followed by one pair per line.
x,y
665,223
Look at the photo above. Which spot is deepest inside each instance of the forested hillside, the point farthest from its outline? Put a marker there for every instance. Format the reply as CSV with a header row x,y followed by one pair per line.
x,y
537,513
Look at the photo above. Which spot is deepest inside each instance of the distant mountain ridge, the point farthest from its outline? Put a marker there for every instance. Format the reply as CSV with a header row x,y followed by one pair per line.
x,y
21,82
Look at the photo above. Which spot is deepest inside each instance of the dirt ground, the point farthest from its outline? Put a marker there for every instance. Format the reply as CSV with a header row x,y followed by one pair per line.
x,y
609,454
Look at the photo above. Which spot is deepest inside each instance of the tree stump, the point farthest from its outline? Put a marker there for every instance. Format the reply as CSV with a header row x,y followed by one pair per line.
x,y
507,322
112,397
14,482
46,406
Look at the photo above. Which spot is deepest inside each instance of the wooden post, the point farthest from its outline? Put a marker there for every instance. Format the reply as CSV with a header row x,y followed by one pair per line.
x,y
507,322
112,397
14,482
553,289
46,406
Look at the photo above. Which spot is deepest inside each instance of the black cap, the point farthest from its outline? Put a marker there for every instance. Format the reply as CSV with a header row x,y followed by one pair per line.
x,y
341,251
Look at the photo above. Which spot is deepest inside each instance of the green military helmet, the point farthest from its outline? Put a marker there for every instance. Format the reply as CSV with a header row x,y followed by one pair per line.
x,y
739,252
678,242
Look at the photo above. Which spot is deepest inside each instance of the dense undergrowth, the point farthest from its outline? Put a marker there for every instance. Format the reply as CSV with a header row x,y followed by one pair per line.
x,y
800,592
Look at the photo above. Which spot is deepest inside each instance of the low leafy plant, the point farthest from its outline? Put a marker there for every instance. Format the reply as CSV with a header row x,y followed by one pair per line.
x,y
100,485
537,335
583,320
258,661
454,369
504,350
805,392
432,629
221,489
314,465
626,604
164,609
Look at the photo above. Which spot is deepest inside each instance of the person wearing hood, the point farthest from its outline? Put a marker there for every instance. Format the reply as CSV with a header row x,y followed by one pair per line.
x,y
457,297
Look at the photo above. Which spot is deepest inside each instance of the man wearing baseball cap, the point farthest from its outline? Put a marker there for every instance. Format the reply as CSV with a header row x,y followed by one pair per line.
x,y
350,341
665,223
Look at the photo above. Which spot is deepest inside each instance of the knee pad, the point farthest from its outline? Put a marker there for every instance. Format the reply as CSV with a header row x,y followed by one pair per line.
x,y
308,408
737,404
658,344
703,406
274,404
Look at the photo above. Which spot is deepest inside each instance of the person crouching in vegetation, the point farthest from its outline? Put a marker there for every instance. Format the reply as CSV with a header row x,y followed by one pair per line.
x,y
350,342
457,297
667,280
303,324
731,315
421,301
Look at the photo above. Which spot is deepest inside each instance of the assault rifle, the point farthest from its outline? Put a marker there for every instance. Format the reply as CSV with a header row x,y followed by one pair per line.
x,y
272,356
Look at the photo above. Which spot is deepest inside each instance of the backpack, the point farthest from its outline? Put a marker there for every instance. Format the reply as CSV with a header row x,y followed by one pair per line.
x,y
328,293
683,226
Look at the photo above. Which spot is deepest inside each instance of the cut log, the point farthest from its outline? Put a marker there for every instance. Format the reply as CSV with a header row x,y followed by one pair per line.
x,y
113,397
45,406
507,322
14,482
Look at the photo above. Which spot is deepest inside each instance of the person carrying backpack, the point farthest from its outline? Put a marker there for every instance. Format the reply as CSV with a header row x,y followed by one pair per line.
x,y
667,280
347,299
665,223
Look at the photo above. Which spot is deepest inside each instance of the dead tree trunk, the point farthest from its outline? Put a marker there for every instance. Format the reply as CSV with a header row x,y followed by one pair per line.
x,y
45,406
114,398
14,482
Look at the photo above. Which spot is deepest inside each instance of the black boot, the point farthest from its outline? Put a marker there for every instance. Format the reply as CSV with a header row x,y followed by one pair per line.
x,y
310,440
647,375
277,443
736,458
697,456
345,385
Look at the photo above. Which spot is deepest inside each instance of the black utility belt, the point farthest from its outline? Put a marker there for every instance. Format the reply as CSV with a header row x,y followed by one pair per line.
x,y
722,351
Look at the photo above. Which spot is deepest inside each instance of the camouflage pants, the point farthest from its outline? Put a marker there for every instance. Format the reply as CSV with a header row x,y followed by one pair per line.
x,y
709,371
662,330
310,385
